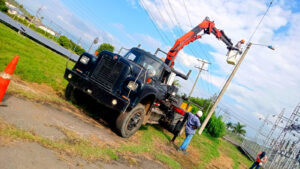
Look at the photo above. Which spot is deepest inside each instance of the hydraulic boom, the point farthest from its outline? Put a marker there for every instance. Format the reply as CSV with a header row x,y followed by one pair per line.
x,y
207,27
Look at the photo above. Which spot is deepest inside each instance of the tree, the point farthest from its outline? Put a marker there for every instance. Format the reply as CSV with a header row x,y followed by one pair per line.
x,y
3,6
238,128
64,42
105,46
229,125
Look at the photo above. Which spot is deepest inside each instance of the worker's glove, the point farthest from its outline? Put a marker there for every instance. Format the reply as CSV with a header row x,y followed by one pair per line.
x,y
235,48
240,51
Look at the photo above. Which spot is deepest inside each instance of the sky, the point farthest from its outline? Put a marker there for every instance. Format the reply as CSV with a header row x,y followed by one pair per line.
x,y
267,80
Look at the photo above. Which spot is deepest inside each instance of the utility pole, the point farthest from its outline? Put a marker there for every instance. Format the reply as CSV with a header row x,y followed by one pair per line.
x,y
38,11
36,15
200,69
224,88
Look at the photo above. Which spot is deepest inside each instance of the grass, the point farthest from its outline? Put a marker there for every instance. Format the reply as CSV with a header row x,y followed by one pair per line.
x,y
231,151
40,65
36,63
168,160
207,147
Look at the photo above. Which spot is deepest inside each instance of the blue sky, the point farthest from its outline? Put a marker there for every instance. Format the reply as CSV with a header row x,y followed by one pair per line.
x,y
267,80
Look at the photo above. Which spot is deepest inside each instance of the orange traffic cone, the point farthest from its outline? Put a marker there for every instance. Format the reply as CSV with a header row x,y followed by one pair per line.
x,y
6,76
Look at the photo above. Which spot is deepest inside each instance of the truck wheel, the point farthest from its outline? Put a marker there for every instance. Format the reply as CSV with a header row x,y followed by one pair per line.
x,y
68,92
129,122
71,94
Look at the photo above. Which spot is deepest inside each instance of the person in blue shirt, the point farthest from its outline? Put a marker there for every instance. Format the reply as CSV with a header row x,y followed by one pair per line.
x,y
192,124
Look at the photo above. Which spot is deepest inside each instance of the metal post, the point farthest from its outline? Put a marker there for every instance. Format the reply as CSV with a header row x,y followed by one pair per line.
x,y
121,50
224,88
67,64
95,41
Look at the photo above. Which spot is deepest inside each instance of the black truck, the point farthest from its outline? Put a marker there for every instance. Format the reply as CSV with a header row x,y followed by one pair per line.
x,y
137,85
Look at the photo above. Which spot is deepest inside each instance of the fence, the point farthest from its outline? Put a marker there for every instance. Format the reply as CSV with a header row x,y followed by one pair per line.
x,y
281,145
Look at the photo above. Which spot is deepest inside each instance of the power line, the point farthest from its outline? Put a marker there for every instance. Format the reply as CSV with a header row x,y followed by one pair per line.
x,y
187,13
260,21
146,10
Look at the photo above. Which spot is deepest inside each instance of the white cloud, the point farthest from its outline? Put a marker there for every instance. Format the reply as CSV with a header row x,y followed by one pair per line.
x,y
189,60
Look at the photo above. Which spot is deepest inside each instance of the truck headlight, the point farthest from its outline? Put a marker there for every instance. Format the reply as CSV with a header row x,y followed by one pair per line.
x,y
132,85
84,59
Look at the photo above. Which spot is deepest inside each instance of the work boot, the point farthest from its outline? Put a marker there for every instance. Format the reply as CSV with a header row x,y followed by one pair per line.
x,y
185,152
179,150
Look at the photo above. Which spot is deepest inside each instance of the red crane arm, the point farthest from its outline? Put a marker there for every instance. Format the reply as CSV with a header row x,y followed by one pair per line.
x,y
208,27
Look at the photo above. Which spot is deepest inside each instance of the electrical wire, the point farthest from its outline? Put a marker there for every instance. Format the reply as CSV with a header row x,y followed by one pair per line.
x,y
151,19
260,21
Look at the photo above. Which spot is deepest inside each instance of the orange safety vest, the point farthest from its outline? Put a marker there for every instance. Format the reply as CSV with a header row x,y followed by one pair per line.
x,y
260,160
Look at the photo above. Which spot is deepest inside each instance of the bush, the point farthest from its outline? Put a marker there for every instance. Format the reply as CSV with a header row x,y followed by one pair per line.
x,y
3,6
76,48
64,41
215,126
105,46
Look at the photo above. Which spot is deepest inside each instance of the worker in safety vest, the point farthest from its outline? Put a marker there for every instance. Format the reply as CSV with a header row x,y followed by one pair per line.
x,y
260,159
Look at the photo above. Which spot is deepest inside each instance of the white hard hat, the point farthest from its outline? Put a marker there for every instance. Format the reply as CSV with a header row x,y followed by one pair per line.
x,y
199,113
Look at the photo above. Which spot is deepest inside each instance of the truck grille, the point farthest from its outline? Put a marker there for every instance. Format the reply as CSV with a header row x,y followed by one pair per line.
x,y
107,72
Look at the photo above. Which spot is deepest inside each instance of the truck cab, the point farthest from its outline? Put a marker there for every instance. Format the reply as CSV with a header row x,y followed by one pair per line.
x,y
129,84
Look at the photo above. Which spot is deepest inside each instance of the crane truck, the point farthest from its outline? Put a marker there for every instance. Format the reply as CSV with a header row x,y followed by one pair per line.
x,y
137,85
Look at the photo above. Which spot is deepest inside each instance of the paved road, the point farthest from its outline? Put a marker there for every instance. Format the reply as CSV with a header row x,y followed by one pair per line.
x,y
38,118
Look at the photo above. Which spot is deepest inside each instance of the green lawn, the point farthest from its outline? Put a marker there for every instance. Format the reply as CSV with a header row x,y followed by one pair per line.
x,y
41,65
36,63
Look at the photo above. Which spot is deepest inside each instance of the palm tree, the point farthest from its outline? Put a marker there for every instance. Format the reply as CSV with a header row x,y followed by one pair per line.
x,y
229,125
238,128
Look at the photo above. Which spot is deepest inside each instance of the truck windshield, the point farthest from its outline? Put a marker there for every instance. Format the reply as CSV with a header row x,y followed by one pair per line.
x,y
146,61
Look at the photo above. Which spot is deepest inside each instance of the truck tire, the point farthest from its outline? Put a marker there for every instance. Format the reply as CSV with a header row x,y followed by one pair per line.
x,y
129,122
71,94
69,91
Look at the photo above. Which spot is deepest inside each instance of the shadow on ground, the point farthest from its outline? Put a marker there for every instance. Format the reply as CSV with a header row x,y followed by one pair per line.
x,y
99,112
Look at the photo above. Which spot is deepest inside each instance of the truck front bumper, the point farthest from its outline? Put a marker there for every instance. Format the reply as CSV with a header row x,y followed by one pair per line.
x,y
96,91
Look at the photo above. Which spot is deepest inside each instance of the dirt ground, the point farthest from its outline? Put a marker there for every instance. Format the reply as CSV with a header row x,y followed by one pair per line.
x,y
40,119
223,162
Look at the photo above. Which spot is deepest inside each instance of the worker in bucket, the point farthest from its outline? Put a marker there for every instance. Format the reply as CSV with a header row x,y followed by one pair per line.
x,y
192,124
260,159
